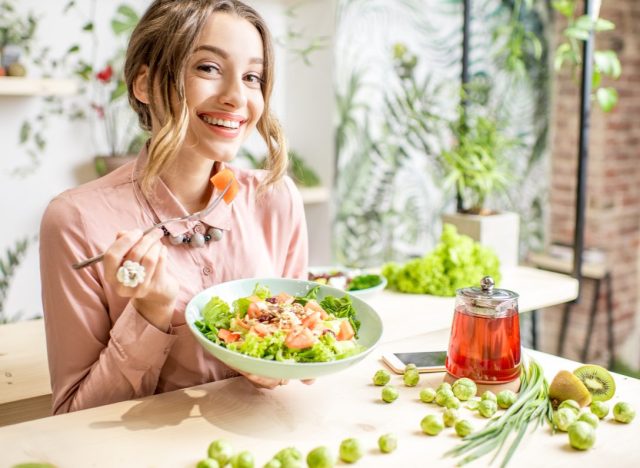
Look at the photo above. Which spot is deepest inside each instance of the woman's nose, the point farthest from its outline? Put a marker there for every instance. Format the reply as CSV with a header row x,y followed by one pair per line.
x,y
233,93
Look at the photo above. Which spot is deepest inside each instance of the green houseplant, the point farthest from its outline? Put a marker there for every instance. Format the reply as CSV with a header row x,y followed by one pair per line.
x,y
477,168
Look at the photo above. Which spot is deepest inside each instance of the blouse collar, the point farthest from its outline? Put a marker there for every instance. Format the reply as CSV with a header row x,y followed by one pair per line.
x,y
164,204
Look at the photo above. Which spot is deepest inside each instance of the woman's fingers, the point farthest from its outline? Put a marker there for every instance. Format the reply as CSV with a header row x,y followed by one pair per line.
x,y
114,256
151,262
140,248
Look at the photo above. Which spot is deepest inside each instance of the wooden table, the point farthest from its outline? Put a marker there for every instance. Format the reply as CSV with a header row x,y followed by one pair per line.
x,y
25,391
174,429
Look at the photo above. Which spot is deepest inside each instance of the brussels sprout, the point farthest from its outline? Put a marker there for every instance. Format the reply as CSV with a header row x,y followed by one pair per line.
x,y
389,393
464,389
582,435
427,395
387,443
449,417
563,418
208,463
599,408
221,451
320,457
242,459
289,457
442,395
473,403
489,395
623,412
463,428
444,386
381,377
411,378
506,398
273,463
350,450
571,404
452,402
589,418
410,366
431,425
487,408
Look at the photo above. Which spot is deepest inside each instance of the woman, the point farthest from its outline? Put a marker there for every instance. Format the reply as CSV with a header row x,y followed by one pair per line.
x,y
199,75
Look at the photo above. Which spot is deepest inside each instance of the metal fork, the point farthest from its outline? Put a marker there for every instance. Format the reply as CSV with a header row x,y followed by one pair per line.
x,y
190,217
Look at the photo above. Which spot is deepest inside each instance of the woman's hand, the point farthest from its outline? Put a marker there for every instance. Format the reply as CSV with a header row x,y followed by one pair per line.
x,y
156,296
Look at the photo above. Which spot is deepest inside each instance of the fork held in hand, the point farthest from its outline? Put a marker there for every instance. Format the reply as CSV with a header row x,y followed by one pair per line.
x,y
190,217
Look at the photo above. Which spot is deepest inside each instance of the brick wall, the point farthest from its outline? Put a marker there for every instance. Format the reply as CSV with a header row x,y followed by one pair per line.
x,y
613,190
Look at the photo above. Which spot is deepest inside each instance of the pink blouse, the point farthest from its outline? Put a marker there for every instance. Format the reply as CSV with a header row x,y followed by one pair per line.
x,y
100,349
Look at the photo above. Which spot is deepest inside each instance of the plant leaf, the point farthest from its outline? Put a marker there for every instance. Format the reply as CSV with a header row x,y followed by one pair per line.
x,y
607,98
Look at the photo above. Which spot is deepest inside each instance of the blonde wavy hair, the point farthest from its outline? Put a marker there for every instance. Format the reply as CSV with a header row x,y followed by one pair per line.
x,y
163,40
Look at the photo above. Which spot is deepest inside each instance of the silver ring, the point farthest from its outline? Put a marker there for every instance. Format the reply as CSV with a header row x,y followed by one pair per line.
x,y
130,274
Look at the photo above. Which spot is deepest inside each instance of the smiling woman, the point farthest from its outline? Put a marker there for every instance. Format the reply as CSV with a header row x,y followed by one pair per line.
x,y
199,75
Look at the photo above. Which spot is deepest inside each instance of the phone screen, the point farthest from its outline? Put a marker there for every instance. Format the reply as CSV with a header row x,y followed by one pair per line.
x,y
423,359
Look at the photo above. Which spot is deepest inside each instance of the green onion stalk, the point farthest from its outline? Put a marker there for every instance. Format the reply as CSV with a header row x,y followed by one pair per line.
x,y
531,407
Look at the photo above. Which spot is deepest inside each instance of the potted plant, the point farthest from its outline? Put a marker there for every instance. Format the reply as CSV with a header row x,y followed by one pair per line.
x,y
477,166
16,34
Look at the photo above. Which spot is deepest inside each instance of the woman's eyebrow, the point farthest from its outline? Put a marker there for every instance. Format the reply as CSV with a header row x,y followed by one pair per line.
x,y
225,55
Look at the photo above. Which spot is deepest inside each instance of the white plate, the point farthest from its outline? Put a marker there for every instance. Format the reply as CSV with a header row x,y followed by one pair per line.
x,y
368,335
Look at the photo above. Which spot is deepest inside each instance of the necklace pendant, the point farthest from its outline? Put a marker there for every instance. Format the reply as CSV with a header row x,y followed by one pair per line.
x,y
197,240
215,233
176,240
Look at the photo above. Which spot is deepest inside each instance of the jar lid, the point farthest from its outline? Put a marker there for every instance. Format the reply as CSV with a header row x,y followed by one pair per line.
x,y
486,295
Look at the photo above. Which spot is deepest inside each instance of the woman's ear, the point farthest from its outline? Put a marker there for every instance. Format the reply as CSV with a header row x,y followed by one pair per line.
x,y
140,85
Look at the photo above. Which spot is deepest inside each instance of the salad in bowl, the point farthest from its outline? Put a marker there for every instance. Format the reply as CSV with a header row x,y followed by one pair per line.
x,y
361,283
283,328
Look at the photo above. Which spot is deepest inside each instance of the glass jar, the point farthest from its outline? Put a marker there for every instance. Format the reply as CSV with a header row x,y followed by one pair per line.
x,y
485,335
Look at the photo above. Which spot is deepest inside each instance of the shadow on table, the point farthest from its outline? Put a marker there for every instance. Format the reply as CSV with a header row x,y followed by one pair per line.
x,y
233,405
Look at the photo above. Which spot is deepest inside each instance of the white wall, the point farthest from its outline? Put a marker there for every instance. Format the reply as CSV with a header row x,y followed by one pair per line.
x,y
303,100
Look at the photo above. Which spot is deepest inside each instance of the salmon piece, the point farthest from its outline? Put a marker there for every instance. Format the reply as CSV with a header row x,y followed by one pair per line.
x,y
311,320
346,331
300,339
228,336
312,305
220,181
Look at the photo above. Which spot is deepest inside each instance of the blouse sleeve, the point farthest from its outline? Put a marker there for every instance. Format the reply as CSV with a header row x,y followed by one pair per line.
x,y
92,361
297,258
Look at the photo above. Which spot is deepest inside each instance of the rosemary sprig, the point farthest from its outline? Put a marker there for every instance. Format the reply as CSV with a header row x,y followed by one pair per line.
x,y
532,406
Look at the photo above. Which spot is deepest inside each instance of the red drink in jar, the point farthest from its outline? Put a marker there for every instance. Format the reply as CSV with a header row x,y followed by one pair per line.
x,y
485,335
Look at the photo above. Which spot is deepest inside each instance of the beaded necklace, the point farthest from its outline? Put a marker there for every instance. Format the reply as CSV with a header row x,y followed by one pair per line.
x,y
197,239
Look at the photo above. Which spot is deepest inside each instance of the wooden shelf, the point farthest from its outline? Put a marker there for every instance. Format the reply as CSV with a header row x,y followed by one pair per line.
x,y
15,86
314,195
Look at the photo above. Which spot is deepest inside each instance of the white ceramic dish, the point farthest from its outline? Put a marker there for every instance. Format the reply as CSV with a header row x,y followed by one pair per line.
x,y
368,335
351,272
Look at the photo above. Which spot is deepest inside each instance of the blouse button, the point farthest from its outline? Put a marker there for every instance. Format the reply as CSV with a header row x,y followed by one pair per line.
x,y
207,270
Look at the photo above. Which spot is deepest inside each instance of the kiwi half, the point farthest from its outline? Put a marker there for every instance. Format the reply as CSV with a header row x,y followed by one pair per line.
x,y
598,381
566,386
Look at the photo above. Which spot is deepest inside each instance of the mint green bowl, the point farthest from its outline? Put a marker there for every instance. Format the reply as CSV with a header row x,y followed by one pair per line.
x,y
369,334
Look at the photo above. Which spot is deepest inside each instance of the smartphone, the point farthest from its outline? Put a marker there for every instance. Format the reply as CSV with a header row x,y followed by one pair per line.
x,y
425,361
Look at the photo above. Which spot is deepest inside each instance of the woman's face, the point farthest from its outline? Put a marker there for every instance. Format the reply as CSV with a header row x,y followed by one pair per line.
x,y
223,87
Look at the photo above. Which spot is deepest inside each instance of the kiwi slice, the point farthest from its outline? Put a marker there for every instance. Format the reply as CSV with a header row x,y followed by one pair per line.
x,y
566,386
597,380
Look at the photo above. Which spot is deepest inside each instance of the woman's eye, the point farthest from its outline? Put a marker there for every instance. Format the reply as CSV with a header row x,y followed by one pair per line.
x,y
253,78
208,68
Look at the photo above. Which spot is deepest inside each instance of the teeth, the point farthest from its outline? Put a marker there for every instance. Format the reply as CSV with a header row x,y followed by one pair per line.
x,y
223,123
